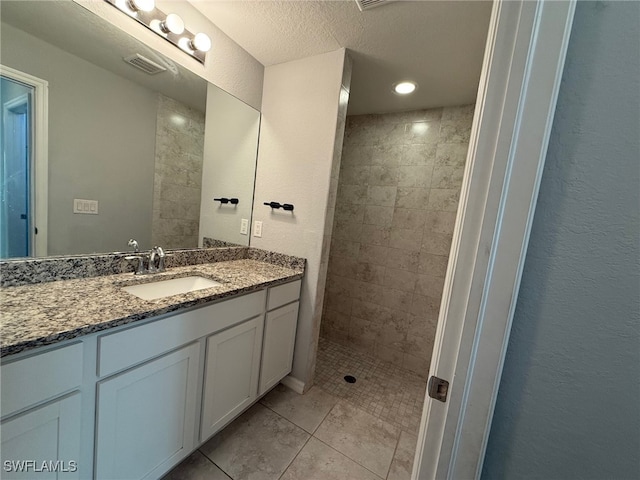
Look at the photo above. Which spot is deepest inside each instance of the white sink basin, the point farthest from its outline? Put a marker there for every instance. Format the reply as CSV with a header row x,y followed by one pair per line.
x,y
167,288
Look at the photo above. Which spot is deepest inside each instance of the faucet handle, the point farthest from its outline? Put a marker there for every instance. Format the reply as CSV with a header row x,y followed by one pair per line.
x,y
133,243
159,252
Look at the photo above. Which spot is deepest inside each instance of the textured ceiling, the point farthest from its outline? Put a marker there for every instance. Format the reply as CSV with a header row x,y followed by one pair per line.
x,y
438,44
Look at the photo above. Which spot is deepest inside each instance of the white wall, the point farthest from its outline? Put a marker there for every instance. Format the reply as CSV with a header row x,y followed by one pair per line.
x,y
300,107
228,65
569,400
228,170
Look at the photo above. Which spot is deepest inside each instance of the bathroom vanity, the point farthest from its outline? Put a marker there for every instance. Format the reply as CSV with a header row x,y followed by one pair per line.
x,y
126,387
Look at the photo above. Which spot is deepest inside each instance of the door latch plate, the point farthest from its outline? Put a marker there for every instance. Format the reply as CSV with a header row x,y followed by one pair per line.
x,y
438,388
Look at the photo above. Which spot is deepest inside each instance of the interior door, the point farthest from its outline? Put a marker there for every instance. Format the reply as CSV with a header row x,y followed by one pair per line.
x,y
521,76
16,213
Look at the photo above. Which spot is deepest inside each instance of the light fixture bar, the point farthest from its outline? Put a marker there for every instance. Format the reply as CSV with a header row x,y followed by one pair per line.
x,y
156,21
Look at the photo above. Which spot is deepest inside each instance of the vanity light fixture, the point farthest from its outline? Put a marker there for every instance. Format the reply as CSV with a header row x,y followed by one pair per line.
x,y
170,27
200,42
172,24
142,5
405,88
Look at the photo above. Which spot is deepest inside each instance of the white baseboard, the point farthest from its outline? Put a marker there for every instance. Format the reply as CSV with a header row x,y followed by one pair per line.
x,y
293,383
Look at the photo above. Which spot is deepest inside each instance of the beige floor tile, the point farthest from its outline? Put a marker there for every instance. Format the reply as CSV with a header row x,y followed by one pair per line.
x,y
196,467
317,461
360,436
306,411
402,463
259,445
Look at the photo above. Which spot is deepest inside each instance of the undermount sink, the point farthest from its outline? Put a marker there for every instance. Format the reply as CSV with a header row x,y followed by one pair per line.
x,y
168,288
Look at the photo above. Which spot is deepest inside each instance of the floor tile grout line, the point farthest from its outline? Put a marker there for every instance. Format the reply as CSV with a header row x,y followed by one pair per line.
x,y
326,415
395,450
347,456
297,426
218,466
290,421
296,456
283,418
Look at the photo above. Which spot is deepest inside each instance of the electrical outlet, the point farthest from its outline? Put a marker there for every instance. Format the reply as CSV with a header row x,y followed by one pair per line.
x,y
257,229
86,207
244,226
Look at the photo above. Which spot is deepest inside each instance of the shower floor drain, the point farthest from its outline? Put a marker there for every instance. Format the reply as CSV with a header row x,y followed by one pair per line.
x,y
350,379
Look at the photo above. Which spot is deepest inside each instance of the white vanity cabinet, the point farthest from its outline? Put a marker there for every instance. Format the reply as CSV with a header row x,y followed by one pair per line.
x,y
147,405
133,401
231,374
41,403
43,442
146,417
279,334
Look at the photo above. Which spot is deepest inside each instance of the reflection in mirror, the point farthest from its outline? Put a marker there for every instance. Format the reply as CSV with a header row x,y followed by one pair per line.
x,y
226,171
129,143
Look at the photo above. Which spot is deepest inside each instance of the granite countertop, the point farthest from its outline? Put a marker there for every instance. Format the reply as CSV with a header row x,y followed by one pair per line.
x,y
46,313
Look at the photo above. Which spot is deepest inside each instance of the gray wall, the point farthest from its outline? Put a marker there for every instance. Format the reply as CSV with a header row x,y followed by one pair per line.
x,y
569,400
101,147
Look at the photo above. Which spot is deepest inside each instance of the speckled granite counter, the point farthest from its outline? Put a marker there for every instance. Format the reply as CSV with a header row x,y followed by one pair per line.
x,y
46,313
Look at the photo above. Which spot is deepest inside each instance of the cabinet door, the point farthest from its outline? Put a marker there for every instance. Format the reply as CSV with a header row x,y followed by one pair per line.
x,y
146,417
231,374
44,442
277,350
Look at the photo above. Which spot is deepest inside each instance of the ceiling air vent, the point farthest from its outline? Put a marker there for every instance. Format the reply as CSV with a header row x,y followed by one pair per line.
x,y
144,64
369,4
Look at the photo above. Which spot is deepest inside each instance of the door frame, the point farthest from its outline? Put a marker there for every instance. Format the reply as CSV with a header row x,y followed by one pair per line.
x,y
40,155
521,74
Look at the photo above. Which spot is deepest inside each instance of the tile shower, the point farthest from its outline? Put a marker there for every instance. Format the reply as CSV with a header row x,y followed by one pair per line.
x,y
398,192
178,174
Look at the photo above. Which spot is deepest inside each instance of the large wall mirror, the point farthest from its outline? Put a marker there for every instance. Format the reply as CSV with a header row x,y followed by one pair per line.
x,y
146,154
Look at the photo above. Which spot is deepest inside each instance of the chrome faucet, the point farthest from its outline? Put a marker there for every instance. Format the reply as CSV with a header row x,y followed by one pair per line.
x,y
156,252
159,252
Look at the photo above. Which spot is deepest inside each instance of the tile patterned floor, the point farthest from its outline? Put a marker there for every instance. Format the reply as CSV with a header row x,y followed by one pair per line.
x,y
315,436
336,431
384,390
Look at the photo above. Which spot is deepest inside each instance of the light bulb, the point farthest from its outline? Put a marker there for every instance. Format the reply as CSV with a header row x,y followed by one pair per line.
x,y
201,42
173,23
404,88
144,5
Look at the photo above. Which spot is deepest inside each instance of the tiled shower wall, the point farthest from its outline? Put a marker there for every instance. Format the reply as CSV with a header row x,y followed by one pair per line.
x,y
398,192
178,175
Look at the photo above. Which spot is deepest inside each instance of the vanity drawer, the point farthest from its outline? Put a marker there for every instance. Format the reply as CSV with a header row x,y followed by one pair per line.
x,y
33,380
126,348
283,294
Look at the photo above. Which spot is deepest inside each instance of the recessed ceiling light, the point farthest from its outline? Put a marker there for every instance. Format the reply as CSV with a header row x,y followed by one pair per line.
x,y
405,88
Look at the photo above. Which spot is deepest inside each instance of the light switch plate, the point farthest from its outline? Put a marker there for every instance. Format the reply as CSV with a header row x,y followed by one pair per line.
x,y
257,229
85,207
244,226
